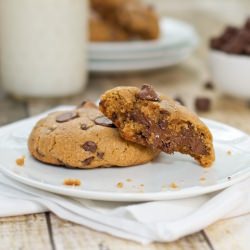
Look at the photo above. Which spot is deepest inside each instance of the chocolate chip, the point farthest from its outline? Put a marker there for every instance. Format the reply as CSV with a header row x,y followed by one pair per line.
x,y
89,146
164,112
209,85
139,117
247,24
229,32
216,43
104,121
114,116
179,100
84,126
202,104
247,50
162,124
88,160
235,46
67,116
147,93
233,40
100,155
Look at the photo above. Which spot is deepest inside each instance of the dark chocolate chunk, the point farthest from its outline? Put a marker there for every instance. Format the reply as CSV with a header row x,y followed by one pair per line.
x,y
247,24
89,146
179,100
233,40
84,126
229,33
164,112
100,155
247,50
216,43
67,116
235,46
163,124
104,121
139,117
147,93
114,116
202,104
87,161
209,85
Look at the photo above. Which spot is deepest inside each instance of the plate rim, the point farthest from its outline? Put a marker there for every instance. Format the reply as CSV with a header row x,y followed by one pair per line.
x,y
127,197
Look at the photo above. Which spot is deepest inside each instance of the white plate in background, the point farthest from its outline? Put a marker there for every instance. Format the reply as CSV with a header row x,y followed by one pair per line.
x,y
177,42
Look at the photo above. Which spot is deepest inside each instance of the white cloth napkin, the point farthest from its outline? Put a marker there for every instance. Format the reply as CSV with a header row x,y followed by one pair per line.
x,y
141,222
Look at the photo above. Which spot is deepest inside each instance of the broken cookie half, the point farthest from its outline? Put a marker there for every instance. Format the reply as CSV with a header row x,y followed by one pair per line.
x,y
150,119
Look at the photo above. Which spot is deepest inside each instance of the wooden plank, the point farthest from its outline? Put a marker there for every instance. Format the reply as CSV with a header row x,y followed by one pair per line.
x,y
232,234
24,232
72,236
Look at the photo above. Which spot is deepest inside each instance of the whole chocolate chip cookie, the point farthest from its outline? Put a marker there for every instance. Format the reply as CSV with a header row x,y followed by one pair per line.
x,y
84,138
129,19
150,119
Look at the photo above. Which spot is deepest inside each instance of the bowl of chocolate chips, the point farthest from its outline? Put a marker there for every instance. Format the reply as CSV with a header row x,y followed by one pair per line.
x,y
229,60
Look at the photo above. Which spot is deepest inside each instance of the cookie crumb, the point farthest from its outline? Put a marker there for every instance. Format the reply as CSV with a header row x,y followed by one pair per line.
x,y
119,185
229,152
202,104
72,182
209,85
173,185
129,180
202,178
20,161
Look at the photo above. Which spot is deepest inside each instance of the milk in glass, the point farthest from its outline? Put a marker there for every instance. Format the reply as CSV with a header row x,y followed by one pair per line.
x,y
43,47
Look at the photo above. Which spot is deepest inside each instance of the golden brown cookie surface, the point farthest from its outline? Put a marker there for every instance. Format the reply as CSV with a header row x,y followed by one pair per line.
x,y
145,117
84,138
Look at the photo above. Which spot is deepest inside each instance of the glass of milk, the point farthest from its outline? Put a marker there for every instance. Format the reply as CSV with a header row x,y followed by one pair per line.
x,y
43,47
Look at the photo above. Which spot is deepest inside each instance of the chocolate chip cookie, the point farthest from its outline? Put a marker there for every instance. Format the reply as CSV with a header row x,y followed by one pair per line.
x,y
105,30
151,119
84,138
137,19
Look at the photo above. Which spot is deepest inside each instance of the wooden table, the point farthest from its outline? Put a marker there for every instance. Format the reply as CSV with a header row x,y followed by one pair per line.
x,y
47,231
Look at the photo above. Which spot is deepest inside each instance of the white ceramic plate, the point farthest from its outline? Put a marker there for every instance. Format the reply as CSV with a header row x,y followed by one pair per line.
x,y
177,42
140,64
147,182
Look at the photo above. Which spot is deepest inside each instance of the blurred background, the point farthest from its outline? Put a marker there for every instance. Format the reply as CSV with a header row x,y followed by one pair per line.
x,y
186,81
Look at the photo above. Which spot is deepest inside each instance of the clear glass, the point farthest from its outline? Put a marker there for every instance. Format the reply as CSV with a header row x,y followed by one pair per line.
x,y
43,47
